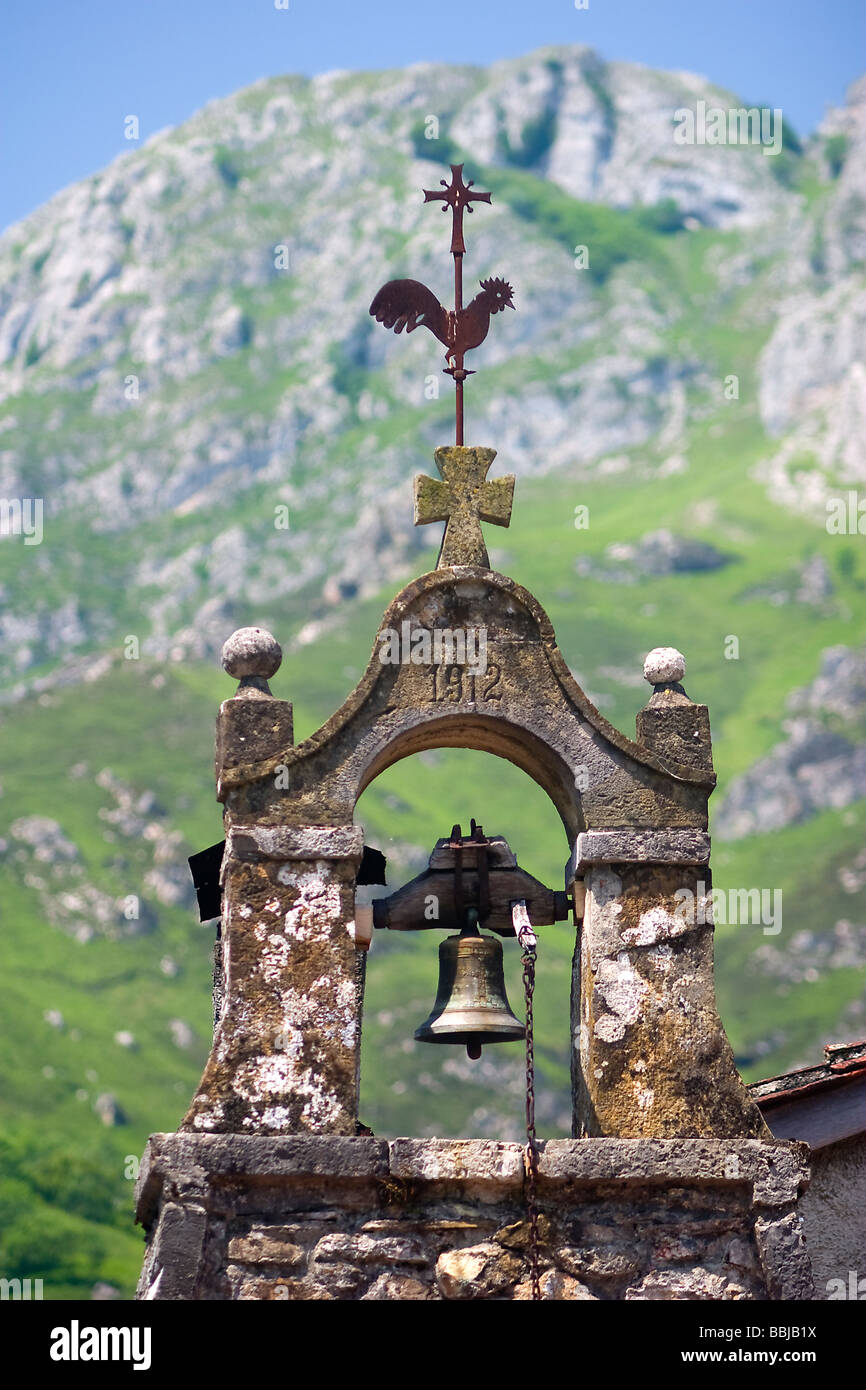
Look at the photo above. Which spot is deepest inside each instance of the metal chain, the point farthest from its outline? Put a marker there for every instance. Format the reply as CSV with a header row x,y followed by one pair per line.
x,y
527,940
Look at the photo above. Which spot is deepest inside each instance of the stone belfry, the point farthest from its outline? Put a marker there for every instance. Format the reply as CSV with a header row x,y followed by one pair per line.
x,y
672,1186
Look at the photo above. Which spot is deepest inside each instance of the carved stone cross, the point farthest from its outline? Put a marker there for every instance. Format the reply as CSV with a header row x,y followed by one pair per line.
x,y
463,499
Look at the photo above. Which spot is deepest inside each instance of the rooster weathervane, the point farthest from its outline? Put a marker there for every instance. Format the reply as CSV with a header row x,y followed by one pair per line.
x,y
407,303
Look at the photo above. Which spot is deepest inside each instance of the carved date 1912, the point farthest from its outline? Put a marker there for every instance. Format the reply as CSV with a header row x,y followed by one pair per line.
x,y
459,684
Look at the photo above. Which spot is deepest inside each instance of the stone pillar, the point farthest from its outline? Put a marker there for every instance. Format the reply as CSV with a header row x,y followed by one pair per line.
x,y
286,1052
286,1049
653,1058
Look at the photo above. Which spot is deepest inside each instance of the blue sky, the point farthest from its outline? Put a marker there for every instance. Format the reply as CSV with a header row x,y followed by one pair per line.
x,y
70,70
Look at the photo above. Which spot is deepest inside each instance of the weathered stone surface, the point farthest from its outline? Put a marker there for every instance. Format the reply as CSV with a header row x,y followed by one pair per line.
x,y
445,1160
516,1236
526,706
783,1254
604,1264
311,842
260,1248
553,1284
783,1174
675,728
674,1248
171,1266
365,1249
286,1051
651,1058
641,847
664,664
202,1159
250,729
397,1286
345,1281
234,1216
251,651
477,1272
664,1285
463,498
741,1255
424,1222
833,1213
774,1171
283,1290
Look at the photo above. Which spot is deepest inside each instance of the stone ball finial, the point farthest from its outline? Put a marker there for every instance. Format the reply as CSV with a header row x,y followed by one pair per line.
x,y
664,666
251,651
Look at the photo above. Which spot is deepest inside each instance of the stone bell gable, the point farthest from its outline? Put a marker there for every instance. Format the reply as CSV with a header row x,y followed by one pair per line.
x,y
270,1184
635,825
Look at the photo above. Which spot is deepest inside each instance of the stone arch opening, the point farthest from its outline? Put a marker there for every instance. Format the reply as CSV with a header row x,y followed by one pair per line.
x,y
495,735
438,1090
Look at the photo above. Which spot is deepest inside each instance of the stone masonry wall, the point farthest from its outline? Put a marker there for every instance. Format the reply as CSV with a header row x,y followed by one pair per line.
x,y
402,1251
834,1218
236,1217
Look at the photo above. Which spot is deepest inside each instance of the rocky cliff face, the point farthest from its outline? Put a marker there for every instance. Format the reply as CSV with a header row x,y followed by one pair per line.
x,y
813,378
820,763
185,345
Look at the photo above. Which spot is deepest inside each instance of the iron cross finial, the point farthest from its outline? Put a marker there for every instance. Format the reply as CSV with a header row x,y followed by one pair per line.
x,y
458,198
407,303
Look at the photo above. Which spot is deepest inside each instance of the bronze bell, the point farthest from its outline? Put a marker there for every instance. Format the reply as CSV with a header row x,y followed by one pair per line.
x,y
471,1005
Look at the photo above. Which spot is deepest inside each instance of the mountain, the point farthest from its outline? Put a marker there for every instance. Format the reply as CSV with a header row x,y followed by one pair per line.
x,y
187,363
